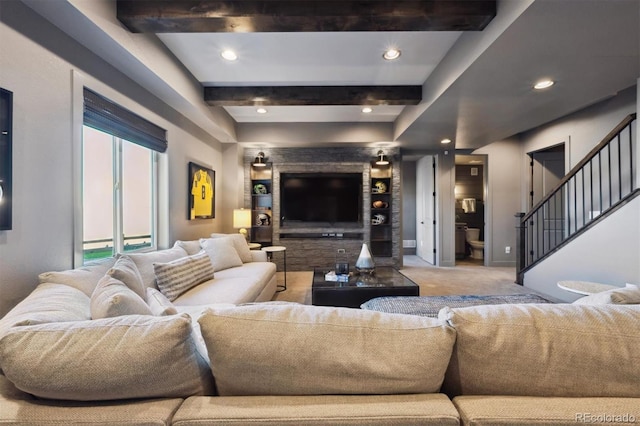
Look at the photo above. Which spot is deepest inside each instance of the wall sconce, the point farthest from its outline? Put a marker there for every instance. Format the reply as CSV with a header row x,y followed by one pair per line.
x,y
242,220
259,160
382,160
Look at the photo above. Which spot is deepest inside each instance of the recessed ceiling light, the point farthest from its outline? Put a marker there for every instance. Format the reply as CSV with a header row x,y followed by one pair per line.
x,y
391,54
445,141
367,110
543,84
261,110
229,55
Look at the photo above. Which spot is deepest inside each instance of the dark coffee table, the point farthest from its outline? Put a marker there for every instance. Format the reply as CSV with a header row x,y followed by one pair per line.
x,y
360,288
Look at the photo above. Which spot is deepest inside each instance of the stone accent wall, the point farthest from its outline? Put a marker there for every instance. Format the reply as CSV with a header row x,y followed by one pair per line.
x,y
304,254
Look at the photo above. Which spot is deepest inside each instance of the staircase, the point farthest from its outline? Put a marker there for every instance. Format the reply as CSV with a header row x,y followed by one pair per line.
x,y
604,181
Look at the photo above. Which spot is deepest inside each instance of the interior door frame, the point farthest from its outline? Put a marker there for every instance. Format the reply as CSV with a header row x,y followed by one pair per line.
x,y
422,194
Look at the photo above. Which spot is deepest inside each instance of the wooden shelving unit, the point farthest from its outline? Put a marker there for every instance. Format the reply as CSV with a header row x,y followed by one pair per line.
x,y
262,204
381,200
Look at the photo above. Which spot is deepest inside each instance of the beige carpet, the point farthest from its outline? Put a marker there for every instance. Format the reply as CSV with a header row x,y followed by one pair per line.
x,y
433,281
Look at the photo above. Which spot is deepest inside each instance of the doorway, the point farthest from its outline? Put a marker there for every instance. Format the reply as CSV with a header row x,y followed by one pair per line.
x,y
547,169
426,208
470,212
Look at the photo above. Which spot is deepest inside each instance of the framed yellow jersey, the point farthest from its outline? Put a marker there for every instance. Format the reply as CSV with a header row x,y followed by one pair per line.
x,y
202,183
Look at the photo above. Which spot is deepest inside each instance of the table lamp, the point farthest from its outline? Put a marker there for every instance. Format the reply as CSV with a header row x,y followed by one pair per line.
x,y
242,220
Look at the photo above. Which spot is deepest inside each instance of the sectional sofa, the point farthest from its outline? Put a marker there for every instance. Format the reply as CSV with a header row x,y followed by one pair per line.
x,y
76,351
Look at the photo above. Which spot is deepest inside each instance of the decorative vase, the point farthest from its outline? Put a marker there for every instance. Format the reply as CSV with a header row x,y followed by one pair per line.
x,y
364,264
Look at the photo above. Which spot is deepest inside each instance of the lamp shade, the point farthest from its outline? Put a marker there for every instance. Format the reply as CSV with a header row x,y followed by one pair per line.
x,y
241,218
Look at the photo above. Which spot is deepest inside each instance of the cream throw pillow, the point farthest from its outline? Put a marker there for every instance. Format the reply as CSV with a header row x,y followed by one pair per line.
x,y
222,252
159,304
239,243
112,298
85,278
629,295
174,278
191,247
126,271
48,303
106,359
313,350
145,261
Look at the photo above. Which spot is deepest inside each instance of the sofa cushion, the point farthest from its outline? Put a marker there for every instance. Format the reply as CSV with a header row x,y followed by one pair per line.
x,y
48,303
239,243
19,408
159,304
145,261
222,253
116,358
113,298
629,295
316,410
311,350
126,271
529,410
178,276
234,285
544,350
84,278
191,247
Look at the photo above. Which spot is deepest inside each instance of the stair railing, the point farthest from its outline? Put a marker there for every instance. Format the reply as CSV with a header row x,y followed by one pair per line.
x,y
601,183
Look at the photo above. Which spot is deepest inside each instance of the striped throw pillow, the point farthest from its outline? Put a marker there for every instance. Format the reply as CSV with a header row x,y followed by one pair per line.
x,y
178,276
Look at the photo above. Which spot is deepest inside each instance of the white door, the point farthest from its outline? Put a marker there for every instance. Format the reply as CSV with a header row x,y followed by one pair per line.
x,y
426,208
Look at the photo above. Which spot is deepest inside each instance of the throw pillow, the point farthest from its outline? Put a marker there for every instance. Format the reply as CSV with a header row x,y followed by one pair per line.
x,y
178,276
84,278
239,243
159,304
112,298
126,271
629,295
222,252
145,261
191,247
48,303
313,350
115,358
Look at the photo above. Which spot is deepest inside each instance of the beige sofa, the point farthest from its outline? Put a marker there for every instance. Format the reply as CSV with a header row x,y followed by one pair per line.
x,y
273,363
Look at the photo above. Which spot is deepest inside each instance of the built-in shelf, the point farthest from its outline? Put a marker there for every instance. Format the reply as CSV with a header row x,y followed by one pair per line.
x,y
381,199
262,204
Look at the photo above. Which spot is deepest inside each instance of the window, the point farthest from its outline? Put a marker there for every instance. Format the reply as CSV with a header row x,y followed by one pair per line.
x,y
119,184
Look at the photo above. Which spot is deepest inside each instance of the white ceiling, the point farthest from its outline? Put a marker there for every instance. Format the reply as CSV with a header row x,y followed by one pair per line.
x,y
311,59
476,85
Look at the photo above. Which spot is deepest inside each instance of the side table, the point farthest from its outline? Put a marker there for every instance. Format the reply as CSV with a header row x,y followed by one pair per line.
x,y
584,288
272,249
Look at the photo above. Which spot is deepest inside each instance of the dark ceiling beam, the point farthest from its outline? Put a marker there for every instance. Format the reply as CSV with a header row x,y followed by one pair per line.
x,y
187,16
313,95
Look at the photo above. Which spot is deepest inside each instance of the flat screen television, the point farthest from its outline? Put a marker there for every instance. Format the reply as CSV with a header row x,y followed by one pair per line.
x,y
321,199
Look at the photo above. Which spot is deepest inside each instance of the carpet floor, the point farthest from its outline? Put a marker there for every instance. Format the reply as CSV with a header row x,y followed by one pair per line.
x,y
432,280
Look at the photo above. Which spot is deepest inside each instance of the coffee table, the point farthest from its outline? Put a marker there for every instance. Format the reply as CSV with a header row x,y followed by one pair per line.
x,y
360,288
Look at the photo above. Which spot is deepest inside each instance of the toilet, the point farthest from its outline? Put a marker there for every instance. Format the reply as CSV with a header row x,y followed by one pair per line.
x,y
477,246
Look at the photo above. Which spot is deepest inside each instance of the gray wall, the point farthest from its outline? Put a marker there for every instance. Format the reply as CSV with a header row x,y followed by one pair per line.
x,y
37,63
608,252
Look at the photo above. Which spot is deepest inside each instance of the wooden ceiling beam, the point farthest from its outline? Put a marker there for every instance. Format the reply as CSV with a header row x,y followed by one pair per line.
x,y
312,95
187,16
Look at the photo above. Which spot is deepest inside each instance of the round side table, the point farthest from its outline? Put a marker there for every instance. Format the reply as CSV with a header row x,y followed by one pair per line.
x,y
584,288
272,249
